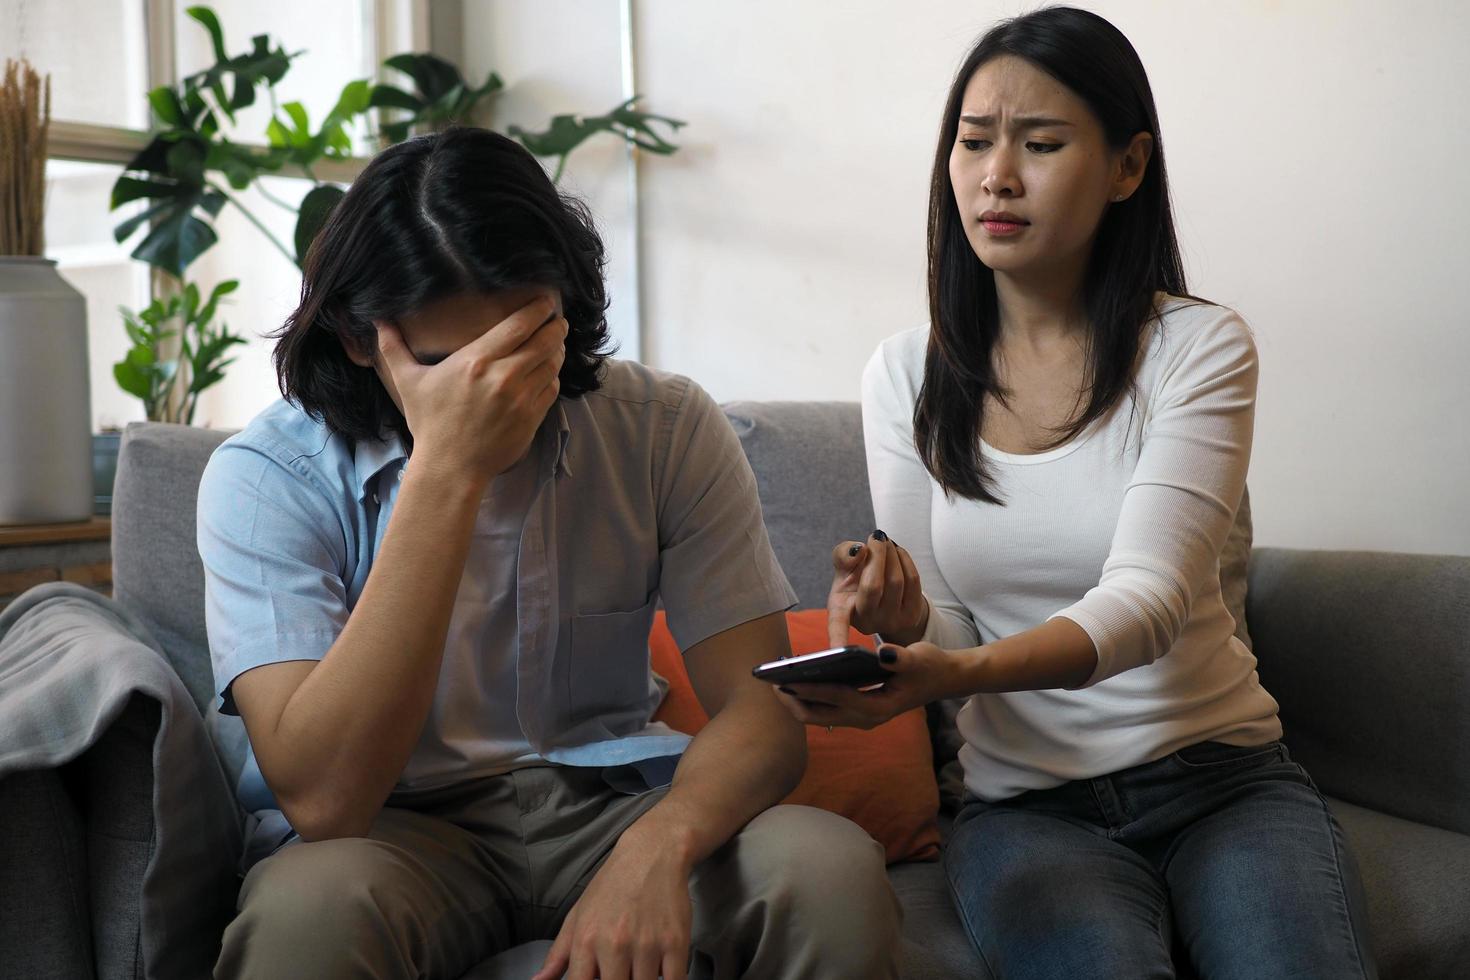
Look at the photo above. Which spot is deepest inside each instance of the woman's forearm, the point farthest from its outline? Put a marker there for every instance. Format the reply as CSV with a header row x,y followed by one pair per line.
x,y
1056,654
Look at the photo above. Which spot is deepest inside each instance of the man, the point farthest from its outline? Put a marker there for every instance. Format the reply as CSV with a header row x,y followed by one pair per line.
x,y
430,574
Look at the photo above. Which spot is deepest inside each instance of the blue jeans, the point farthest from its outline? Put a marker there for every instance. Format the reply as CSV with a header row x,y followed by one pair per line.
x,y
1218,861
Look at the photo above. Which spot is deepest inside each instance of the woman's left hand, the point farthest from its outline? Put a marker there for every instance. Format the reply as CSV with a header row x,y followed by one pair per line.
x,y
922,672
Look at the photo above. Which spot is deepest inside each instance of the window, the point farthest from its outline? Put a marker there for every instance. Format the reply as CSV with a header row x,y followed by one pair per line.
x,y
102,59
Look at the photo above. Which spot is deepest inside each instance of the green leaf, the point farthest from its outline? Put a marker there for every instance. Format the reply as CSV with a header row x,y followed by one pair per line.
x,y
175,242
397,132
211,201
191,301
432,75
244,96
566,132
207,313
354,100
130,379
206,17
186,162
125,230
388,97
297,112
315,207
166,106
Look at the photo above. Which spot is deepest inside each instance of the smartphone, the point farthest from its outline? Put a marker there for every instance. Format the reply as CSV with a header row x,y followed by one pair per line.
x,y
853,666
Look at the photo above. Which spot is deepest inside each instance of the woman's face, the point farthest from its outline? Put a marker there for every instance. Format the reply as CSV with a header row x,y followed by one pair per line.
x,y
1032,171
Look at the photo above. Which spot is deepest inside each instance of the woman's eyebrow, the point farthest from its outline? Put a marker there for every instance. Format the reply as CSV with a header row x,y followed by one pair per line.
x,y
1019,122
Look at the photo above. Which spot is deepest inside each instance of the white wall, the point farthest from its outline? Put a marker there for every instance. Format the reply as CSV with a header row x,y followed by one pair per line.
x,y
1317,150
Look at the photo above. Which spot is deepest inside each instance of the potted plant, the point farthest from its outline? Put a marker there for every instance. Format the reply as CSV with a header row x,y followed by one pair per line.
x,y
190,171
45,401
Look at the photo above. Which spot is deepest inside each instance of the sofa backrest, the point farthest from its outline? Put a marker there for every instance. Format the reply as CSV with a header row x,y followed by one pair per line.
x,y
1368,654
812,475
807,456
156,572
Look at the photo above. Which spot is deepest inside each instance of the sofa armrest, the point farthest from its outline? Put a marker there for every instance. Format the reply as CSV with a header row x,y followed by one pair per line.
x,y
1369,656
45,927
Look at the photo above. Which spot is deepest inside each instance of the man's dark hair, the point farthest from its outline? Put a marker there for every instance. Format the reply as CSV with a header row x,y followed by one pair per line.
x,y
462,211
1134,255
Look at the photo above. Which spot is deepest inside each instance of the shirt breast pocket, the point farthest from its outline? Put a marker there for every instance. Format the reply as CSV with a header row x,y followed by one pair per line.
x,y
610,684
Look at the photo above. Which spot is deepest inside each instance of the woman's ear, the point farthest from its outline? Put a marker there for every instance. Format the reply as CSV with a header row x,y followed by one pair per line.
x,y
1132,165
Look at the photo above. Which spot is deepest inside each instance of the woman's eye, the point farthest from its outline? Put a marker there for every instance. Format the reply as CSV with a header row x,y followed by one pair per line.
x,y
974,144
1035,147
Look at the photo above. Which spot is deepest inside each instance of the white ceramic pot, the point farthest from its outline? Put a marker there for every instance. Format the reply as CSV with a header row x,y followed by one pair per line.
x,y
45,397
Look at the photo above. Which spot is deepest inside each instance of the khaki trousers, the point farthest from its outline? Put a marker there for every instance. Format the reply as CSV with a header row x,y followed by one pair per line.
x,y
449,878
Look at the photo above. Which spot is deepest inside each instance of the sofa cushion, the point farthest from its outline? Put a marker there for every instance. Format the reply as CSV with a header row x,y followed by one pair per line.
x,y
1417,884
882,780
935,943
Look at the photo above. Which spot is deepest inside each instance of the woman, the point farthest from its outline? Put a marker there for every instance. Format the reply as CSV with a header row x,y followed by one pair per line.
x,y
1062,453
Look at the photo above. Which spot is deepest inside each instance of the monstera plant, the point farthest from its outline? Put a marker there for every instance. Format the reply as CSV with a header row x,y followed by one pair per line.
x,y
190,170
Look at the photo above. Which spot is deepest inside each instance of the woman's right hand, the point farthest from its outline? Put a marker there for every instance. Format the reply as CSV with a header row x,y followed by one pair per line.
x,y
875,589
474,414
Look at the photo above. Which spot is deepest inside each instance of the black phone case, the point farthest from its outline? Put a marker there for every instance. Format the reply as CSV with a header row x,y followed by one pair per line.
x,y
854,666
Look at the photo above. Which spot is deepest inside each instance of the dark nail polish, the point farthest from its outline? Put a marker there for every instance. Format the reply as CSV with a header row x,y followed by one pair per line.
x,y
879,536
888,655
853,551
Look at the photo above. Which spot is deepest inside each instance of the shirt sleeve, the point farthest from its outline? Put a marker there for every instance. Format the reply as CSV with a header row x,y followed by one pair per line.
x,y
273,548
903,491
1180,504
717,569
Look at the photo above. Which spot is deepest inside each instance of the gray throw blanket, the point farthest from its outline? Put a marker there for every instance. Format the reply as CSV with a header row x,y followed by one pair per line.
x,y
70,663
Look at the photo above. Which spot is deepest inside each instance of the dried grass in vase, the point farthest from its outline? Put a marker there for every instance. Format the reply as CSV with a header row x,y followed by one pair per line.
x,y
25,118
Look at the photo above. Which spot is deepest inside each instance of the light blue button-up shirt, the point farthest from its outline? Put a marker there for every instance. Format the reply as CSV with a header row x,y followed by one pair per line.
x,y
640,492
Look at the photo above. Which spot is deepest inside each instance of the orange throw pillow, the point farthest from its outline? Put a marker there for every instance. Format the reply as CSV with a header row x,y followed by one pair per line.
x,y
882,780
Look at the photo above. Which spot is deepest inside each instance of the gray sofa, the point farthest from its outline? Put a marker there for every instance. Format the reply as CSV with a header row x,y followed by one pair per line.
x,y
1369,655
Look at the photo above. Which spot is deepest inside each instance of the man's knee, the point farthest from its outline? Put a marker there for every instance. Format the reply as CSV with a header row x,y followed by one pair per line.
x,y
317,908
824,877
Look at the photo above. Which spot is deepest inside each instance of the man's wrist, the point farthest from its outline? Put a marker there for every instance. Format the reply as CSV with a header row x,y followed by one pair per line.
x,y
443,479
662,837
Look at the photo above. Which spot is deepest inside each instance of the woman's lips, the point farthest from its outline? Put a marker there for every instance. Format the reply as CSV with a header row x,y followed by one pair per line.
x,y
1002,229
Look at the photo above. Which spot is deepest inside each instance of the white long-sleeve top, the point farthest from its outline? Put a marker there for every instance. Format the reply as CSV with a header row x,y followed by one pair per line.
x,y
1119,530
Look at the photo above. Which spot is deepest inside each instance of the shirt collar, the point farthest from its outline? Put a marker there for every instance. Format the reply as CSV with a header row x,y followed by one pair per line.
x,y
376,455
373,456
563,465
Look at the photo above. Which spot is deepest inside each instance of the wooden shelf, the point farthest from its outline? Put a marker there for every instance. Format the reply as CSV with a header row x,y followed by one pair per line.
x,y
14,535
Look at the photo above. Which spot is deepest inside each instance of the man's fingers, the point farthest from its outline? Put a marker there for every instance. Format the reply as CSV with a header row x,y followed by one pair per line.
x,y
675,966
556,960
392,351
509,334
546,345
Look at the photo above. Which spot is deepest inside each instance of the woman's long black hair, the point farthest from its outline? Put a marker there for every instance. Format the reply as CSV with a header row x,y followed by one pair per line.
x,y
1134,255
461,211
